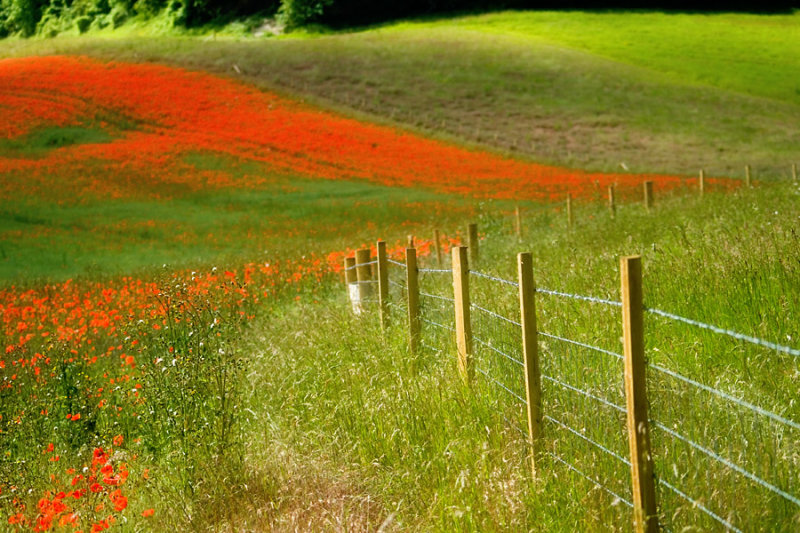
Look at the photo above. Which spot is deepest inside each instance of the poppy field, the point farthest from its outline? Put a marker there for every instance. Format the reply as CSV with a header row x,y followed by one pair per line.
x,y
150,216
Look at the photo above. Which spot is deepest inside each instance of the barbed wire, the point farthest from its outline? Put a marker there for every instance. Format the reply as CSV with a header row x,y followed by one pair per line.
x,y
434,271
581,344
700,506
585,393
398,263
728,332
373,262
396,284
729,464
587,439
504,354
495,315
494,278
726,396
579,297
597,483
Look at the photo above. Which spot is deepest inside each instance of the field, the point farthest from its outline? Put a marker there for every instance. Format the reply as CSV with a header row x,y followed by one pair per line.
x,y
177,346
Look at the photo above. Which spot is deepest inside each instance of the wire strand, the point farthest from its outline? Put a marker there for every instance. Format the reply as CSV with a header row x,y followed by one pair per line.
x,y
504,354
434,270
732,466
582,345
493,278
728,332
495,315
398,263
700,506
511,392
580,297
586,393
727,396
597,483
587,439
436,296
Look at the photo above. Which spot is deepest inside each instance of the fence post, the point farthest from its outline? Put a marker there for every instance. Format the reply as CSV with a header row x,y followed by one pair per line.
x,y
437,239
363,276
462,312
412,285
517,223
648,195
410,241
350,281
530,351
794,171
570,220
473,243
702,182
612,204
747,180
383,285
645,518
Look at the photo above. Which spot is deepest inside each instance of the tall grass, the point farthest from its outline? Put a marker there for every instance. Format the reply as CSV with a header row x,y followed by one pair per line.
x,y
434,455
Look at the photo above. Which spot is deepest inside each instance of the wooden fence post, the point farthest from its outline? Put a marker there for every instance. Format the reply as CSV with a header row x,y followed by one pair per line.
x,y
570,219
702,182
612,204
437,239
645,518
794,171
648,195
411,241
350,281
473,243
530,351
383,285
517,223
412,285
363,277
748,182
462,312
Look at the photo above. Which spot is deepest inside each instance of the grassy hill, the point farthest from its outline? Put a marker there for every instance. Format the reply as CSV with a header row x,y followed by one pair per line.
x,y
602,91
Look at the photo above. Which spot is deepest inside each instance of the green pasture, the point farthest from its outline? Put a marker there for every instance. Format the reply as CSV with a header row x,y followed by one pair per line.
x,y
645,91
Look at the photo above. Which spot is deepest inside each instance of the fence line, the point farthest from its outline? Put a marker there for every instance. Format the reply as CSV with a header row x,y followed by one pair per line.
x,y
645,518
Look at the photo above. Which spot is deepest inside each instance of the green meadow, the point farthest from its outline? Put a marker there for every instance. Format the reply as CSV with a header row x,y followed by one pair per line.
x,y
332,424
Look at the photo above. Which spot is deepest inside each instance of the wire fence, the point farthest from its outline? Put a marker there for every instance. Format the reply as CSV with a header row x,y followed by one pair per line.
x,y
718,453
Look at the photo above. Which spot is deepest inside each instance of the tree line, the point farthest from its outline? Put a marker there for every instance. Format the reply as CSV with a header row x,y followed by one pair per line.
x,y
50,17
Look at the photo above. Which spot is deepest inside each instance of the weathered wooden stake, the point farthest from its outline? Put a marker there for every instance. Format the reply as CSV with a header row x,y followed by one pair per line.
x,y
702,182
412,286
517,223
748,182
473,243
570,220
648,195
363,277
411,241
645,518
350,281
437,239
530,351
383,285
462,313
612,204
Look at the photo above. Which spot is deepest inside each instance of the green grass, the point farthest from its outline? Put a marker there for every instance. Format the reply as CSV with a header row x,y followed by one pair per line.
x,y
337,427
42,141
422,452
645,91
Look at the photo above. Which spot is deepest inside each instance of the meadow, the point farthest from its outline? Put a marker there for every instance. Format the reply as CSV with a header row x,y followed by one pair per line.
x,y
178,349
